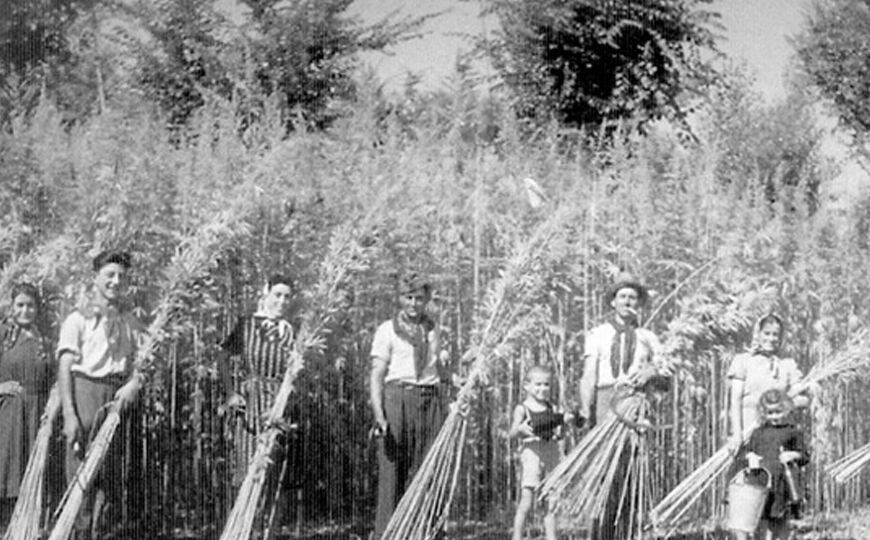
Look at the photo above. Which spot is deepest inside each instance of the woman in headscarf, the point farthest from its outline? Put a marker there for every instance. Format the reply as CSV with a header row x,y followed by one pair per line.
x,y
761,369
26,374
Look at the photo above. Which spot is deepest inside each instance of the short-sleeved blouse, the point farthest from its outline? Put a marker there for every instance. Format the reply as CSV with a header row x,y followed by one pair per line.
x,y
759,374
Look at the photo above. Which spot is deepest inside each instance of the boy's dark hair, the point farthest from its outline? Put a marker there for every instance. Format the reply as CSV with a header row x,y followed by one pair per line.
x,y
108,257
280,279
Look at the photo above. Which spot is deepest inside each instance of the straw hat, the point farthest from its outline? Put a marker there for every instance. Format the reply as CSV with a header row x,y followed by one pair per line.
x,y
625,280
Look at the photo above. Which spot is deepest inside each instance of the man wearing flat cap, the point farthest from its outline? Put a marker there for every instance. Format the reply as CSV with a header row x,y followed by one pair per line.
x,y
96,351
617,354
405,390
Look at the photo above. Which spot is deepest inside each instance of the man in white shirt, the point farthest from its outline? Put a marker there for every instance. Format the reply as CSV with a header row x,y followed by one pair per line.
x,y
617,353
405,392
96,351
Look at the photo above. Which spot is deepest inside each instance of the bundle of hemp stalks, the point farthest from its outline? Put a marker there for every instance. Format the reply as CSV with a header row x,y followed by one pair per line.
x,y
848,466
610,463
512,309
851,361
27,514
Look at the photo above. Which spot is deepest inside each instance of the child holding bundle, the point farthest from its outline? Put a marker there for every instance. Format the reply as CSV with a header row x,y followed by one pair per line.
x,y
538,426
776,448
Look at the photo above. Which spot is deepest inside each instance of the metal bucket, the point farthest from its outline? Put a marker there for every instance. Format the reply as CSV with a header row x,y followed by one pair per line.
x,y
746,502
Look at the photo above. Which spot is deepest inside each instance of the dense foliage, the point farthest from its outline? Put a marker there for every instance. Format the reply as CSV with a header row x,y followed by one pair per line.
x,y
294,59
834,52
586,62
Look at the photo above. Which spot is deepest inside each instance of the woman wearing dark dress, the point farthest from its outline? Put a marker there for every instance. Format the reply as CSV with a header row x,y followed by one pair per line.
x,y
26,374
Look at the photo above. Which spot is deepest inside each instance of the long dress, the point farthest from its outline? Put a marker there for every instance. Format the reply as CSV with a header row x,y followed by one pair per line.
x,y
23,358
264,347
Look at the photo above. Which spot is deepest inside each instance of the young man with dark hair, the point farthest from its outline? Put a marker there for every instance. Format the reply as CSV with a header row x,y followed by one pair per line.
x,y
96,351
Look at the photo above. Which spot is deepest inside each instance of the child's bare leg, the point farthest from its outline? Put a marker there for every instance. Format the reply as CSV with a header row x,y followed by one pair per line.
x,y
550,523
523,508
739,535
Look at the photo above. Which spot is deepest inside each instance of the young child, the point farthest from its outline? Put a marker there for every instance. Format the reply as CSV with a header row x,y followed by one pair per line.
x,y
777,446
538,425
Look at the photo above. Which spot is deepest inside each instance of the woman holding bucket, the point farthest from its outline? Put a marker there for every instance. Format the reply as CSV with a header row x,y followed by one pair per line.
x,y
764,491
761,369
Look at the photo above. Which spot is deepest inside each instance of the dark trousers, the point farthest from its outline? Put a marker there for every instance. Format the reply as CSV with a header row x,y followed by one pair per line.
x,y
89,398
414,415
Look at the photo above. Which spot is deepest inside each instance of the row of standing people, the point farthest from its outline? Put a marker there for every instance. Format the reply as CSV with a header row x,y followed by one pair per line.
x,y
97,343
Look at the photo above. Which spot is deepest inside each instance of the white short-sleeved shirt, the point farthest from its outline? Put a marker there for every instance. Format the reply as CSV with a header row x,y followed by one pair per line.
x,y
98,354
399,357
596,354
759,374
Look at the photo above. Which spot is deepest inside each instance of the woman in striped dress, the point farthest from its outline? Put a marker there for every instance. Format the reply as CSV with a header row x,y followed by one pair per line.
x,y
256,355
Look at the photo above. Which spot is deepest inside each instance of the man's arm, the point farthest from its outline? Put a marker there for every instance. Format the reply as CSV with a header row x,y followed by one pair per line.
x,y
588,380
736,411
376,392
64,383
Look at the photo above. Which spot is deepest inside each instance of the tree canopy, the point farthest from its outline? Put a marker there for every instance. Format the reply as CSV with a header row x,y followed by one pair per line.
x,y
587,61
835,53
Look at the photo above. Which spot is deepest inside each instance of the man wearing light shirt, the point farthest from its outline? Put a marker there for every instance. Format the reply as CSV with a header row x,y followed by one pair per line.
x,y
405,390
96,351
617,354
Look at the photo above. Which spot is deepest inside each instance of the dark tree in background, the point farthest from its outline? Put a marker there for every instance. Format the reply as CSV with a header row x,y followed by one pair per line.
x,y
589,61
834,51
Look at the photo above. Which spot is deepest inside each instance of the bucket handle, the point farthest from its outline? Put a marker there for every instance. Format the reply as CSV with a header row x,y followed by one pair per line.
x,y
747,469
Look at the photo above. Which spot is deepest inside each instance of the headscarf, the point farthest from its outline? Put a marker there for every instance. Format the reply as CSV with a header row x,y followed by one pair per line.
x,y
12,329
755,346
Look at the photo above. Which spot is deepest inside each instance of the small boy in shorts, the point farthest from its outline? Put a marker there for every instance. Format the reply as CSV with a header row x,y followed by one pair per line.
x,y
538,426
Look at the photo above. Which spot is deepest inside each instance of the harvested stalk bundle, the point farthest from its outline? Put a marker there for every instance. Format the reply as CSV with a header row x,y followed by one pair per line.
x,y
26,517
852,361
510,312
611,460
346,256
75,492
195,255
665,516
848,466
